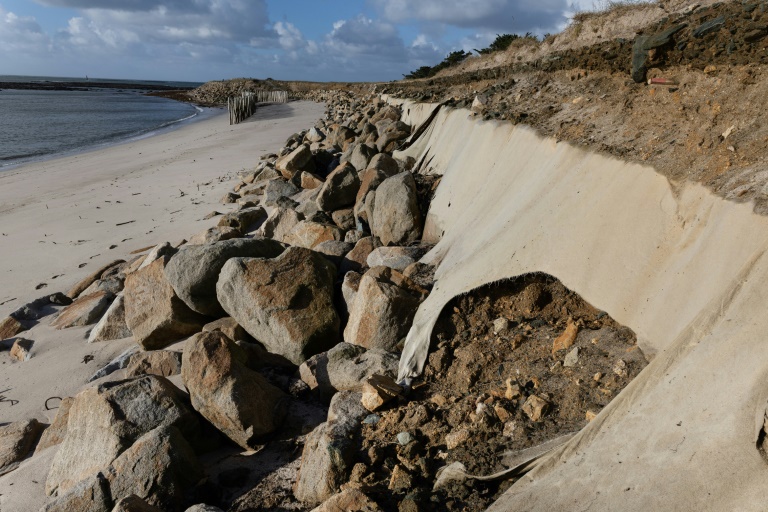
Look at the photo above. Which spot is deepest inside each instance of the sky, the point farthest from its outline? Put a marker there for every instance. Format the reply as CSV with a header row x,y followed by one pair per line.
x,y
202,40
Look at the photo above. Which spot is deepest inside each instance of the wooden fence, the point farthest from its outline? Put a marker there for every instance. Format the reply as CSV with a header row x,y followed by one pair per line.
x,y
242,107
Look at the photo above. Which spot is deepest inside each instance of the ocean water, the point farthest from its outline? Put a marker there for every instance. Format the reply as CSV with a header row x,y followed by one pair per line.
x,y
36,125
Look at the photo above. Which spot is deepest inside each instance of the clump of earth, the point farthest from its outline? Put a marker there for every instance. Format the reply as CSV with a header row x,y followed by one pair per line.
x,y
494,384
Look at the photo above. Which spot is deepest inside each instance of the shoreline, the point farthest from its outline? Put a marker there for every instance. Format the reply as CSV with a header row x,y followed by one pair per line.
x,y
202,113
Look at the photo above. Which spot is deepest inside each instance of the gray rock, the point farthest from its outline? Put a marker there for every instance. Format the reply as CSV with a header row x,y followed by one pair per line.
x,y
112,325
360,156
16,442
159,468
398,258
194,270
396,216
286,303
345,219
118,363
572,358
334,250
346,406
345,368
309,234
298,160
245,220
385,163
340,188
153,312
133,503
87,309
383,309
276,189
235,399
155,362
214,234
105,420
326,462
354,236
279,223
89,495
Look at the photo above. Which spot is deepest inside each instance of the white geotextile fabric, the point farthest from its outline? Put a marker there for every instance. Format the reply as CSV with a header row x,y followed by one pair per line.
x,y
686,270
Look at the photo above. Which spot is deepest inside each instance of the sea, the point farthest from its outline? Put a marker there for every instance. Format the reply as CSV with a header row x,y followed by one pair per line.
x,y
42,124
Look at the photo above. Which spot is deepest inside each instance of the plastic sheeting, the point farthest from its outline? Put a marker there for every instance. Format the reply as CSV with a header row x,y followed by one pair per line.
x,y
686,270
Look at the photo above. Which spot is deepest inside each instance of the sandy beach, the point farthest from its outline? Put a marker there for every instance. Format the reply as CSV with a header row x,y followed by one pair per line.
x,y
62,219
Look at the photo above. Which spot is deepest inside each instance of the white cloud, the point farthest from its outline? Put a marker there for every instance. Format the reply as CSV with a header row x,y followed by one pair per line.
x,y
21,34
362,36
289,36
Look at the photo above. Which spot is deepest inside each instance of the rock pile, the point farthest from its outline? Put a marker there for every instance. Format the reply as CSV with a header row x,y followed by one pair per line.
x,y
299,298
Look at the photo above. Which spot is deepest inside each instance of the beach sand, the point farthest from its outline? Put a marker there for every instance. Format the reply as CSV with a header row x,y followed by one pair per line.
x,y
59,214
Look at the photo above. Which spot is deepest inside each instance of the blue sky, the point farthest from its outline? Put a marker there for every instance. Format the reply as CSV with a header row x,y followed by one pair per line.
x,y
201,40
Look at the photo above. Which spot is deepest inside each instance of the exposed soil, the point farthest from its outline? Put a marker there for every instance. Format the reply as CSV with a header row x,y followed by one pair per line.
x,y
480,381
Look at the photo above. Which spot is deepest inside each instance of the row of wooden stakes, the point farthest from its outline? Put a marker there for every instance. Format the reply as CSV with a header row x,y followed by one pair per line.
x,y
242,107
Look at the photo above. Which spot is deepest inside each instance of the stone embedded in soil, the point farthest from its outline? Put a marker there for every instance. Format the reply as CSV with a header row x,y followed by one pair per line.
x,y
396,216
500,324
567,338
154,313
235,399
383,309
379,390
456,438
572,358
194,270
86,310
21,349
286,303
112,325
535,407
16,441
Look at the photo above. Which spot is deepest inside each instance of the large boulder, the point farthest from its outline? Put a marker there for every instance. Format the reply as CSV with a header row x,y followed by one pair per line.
x,y
383,309
194,270
159,467
105,420
286,303
235,399
112,325
346,367
86,310
357,259
16,441
340,188
396,216
154,313
309,234
389,139
348,500
360,156
384,162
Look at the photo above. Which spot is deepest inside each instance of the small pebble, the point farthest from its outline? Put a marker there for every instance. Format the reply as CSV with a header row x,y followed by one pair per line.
x,y
404,438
